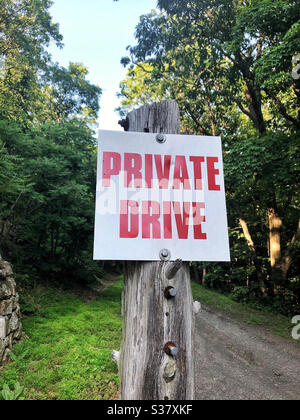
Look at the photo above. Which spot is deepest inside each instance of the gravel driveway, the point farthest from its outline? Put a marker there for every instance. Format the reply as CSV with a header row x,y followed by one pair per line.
x,y
238,361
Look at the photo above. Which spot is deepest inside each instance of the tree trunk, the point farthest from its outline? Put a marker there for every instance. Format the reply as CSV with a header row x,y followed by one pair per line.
x,y
287,259
196,274
204,273
154,324
253,97
251,245
275,225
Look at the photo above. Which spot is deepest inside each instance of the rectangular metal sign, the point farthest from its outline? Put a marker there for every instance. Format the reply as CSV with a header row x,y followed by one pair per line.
x,y
160,192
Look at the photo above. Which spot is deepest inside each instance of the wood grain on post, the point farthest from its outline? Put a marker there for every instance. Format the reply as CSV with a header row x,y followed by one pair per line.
x,y
150,319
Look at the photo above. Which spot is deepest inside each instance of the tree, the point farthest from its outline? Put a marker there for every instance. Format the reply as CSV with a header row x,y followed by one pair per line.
x,y
26,30
69,94
139,88
47,150
47,220
229,66
225,50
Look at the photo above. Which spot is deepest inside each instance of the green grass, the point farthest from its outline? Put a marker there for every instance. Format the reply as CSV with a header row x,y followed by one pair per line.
x,y
278,324
67,355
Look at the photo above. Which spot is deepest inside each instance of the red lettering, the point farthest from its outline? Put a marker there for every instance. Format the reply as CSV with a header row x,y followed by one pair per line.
x,y
127,207
149,171
182,220
163,175
133,170
197,161
111,166
198,220
212,172
151,217
181,175
167,220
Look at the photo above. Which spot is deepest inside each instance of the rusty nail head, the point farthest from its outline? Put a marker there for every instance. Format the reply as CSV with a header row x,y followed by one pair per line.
x,y
174,351
171,349
170,292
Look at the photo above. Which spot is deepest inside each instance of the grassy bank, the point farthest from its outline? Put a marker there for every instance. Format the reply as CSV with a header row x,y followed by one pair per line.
x,y
277,324
67,353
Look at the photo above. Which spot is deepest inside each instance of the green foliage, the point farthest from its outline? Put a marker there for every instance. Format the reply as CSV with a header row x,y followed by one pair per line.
x,y
227,63
257,171
27,302
49,222
240,294
47,151
67,353
139,88
69,94
32,89
26,30
12,395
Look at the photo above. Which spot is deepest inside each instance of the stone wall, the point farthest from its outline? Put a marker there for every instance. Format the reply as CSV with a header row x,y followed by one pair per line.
x,y
10,315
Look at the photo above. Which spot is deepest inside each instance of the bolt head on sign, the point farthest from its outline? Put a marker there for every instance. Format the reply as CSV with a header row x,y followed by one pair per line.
x,y
160,194
161,138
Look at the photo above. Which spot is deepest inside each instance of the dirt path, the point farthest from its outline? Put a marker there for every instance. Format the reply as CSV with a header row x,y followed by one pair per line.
x,y
238,361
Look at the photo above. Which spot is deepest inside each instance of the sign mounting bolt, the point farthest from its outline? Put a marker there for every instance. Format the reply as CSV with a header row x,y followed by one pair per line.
x,y
165,255
161,138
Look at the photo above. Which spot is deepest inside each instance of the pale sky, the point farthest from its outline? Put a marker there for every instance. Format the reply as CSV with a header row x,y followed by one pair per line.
x,y
96,33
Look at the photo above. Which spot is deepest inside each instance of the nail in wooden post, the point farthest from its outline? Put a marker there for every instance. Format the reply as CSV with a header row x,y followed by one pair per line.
x,y
172,268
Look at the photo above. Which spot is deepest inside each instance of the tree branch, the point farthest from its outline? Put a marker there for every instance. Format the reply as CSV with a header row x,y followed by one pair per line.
x,y
282,108
194,118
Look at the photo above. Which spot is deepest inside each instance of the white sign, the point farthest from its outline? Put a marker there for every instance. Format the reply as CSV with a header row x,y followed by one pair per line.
x,y
160,195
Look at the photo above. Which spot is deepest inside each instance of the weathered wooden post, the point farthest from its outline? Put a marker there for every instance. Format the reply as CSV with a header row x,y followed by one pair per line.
x,y
156,360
